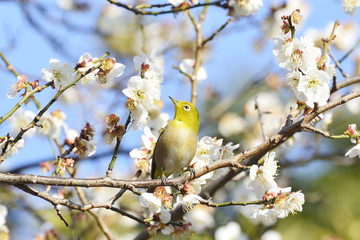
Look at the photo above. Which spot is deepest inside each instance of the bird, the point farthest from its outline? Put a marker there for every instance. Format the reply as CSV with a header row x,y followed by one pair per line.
x,y
177,143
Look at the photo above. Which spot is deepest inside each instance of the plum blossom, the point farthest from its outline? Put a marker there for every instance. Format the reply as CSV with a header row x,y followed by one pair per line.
x,y
20,84
108,71
86,62
20,119
245,7
271,235
144,154
143,91
9,151
310,88
201,218
50,124
176,3
350,6
230,231
263,177
354,151
85,143
285,202
150,201
188,201
293,54
187,66
60,73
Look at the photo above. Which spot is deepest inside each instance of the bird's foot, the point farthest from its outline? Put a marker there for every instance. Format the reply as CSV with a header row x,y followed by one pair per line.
x,y
163,179
192,172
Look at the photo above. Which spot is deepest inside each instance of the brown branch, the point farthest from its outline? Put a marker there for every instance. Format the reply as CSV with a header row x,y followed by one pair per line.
x,y
345,83
65,202
250,155
138,9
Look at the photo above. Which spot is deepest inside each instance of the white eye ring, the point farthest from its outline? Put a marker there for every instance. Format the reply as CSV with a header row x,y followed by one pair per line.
x,y
187,108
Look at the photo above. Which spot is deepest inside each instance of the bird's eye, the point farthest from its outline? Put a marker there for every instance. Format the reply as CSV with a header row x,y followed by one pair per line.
x,y
186,108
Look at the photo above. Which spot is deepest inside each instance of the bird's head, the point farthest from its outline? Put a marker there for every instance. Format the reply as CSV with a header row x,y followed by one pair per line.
x,y
187,113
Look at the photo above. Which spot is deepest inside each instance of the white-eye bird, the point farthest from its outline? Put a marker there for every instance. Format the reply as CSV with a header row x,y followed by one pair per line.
x,y
177,144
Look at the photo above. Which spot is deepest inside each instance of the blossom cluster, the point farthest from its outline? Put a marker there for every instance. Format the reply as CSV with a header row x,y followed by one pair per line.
x,y
308,78
208,150
63,73
350,6
114,128
143,91
281,201
88,70
85,143
50,125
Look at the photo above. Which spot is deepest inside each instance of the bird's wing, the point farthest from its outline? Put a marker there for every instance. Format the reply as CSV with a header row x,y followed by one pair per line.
x,y
153,164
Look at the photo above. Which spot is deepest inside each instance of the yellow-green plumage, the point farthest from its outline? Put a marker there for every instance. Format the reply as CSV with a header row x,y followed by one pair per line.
x,y
177,144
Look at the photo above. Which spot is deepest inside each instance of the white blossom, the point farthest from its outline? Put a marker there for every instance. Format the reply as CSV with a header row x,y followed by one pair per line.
x,y
86,62
148,69
143,154
20,119
66,4
293,54
49,125
350,6
150,201
267,215
141,91
3,214
109,70
288,203
9,151
354,151
188,65
315,87
271,235
158,123
188,201
208,150
262,178
167,230
201,218
176,3
84,148
230,231
245,8
60,73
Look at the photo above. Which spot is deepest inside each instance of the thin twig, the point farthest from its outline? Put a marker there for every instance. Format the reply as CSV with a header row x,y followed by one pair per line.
x,y
65,202
323,133
116,149
327,43
337,64
138,10
350,51
216,32
260,116
233,203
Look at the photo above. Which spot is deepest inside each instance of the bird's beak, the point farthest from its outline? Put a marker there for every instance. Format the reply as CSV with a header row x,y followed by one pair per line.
x,y
176,102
